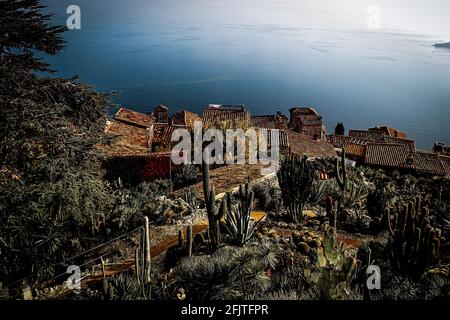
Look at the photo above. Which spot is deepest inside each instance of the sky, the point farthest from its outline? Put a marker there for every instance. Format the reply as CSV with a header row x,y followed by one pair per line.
x,y
429,17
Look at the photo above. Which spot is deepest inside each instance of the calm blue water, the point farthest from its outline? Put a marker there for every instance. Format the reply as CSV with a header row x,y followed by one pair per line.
x,y
360,78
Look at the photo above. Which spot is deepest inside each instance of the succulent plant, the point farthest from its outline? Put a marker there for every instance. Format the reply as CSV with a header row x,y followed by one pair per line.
x,y
238,222
214,215
295,177
415,242
337,266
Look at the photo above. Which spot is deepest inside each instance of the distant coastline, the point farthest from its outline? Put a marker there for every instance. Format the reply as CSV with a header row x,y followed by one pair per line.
x,y
443,45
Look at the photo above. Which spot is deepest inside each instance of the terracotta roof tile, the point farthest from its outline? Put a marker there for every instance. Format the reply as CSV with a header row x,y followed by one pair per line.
x,y
302,144
274,121
410,143
223,113
425,162
185,118
445,160
365,134
388,155
388,131
133,117
129,135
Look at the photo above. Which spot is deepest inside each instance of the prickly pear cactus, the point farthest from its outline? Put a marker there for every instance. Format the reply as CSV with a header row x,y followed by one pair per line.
x,y
337,267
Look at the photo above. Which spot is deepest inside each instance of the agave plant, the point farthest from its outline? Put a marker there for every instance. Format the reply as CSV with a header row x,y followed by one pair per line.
x,y
238,222
320,190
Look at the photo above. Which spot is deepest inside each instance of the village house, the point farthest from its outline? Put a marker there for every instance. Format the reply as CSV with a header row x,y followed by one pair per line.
x,y
141,145
275,121
216,115
307,121
388,148
441,148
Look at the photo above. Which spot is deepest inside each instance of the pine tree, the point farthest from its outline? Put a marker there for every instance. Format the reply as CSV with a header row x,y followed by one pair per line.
x,y
53,200
340,129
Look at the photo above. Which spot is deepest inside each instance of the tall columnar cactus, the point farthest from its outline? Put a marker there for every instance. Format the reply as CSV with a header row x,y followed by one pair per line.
x,y
295,177
189,240
416,243
143,261
329,206
214,215
341,171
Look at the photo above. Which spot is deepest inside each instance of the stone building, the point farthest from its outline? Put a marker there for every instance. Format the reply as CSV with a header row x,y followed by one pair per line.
x,y
308,122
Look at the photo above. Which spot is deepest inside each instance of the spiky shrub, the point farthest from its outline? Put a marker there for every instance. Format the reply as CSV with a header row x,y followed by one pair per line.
x,y
295,177
185,175
268,194
320,190
354,193
190,196
415,242
125,287
379,198
230,273
238,223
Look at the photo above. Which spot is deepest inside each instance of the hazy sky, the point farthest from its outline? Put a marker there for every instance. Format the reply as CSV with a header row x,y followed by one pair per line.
x,y
429,17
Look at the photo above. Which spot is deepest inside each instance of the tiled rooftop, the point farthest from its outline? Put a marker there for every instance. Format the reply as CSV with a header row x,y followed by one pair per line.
x,y
302,144
445,160
365,134
234,115
426,162
133,117
129,135
185,118
388,155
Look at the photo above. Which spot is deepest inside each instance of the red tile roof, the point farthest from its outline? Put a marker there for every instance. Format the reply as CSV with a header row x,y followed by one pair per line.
x,y
274,121
235,115
302,111
129,135
426,162
185,118
410,143
388,131
388,155
134,118
302,144
162,135
445,160
365,134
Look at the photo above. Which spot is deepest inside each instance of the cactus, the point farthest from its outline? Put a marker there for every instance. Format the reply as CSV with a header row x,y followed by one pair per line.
x,y
329,203
337,267
415,242
214,215
238,222
142,261
341,171
180,238
295,177
189,240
